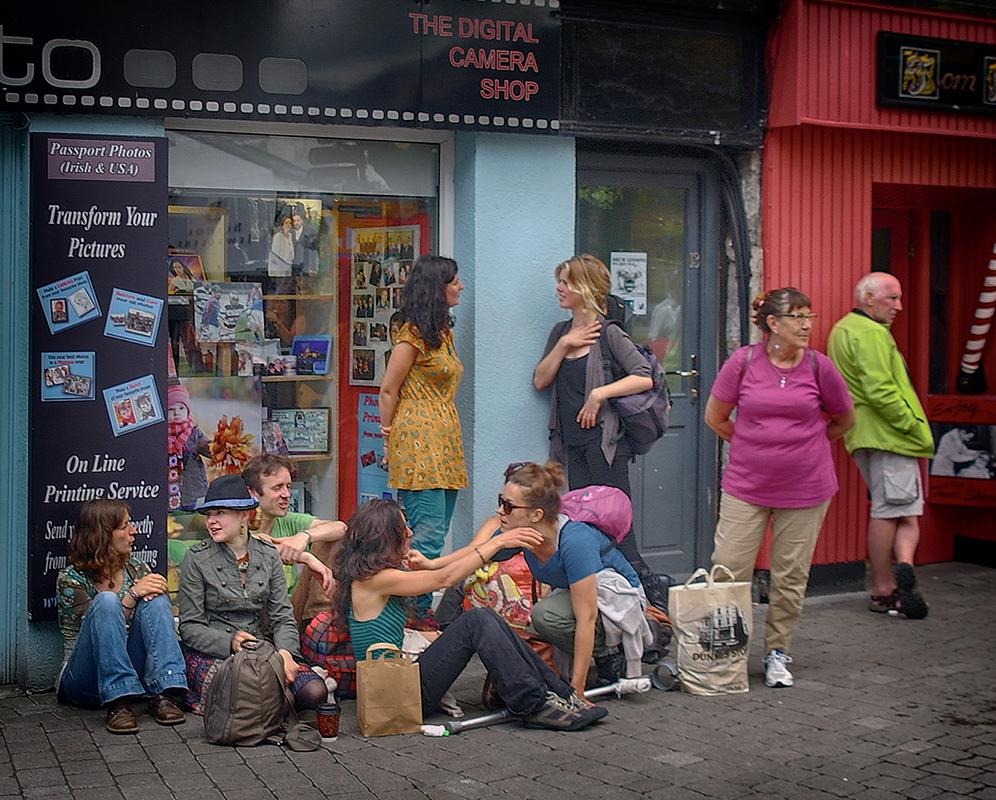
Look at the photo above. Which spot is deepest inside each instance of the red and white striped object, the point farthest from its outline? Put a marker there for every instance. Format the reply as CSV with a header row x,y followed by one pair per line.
x,y
971,379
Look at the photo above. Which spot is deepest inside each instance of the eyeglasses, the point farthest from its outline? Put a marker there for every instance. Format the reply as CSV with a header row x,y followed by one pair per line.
x,y
507,506
800,317
514,467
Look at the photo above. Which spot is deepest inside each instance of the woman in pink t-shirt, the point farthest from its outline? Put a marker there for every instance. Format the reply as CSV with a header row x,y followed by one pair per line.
x,y
780,467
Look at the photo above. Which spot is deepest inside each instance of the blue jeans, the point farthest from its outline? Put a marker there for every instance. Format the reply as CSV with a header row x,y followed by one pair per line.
x,y
111,660
429,512
521,677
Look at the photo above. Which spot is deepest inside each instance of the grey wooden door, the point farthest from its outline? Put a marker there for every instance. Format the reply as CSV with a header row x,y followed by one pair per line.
x,y
666,209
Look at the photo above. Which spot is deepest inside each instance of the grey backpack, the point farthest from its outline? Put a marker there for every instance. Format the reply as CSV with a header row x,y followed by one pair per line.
x,y
248,701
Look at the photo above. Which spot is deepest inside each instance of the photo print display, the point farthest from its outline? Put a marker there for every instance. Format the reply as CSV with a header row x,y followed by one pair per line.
x,y
67,376
68,302
305,430
133,405
382,259
228,312
133,317
312,354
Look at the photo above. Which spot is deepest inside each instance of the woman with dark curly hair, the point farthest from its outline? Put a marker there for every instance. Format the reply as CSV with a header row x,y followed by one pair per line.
x,y
373,579
418,417
117,623
781,468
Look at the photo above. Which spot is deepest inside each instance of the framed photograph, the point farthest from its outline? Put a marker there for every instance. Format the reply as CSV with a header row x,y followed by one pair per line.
x,y
306,430
312,354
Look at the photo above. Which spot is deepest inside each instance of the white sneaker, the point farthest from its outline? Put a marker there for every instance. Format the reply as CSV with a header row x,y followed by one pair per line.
x,y
775,671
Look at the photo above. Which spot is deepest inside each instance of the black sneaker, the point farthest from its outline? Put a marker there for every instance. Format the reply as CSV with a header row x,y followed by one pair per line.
x,y
911,603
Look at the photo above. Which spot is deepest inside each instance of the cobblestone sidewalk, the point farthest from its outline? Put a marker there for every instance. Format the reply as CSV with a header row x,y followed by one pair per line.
x,y
882,708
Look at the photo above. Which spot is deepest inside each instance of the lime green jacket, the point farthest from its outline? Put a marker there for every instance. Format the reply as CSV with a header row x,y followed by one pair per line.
x,y
888,414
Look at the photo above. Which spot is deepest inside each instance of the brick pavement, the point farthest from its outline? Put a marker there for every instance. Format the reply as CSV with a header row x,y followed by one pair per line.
x,y
882,709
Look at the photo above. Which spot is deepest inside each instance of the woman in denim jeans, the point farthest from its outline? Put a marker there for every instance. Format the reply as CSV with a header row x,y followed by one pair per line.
x,y
117,623
373,582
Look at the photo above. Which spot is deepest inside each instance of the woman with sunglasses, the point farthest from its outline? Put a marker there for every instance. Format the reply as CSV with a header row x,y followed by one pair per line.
x,y
780,467
585,432
584,565
418,417
376,569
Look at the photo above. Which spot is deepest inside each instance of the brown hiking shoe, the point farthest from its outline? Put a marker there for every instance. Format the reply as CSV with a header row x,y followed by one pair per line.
x,y
121,719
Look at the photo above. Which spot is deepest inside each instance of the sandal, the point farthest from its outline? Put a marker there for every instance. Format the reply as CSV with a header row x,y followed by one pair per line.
x,y
885,604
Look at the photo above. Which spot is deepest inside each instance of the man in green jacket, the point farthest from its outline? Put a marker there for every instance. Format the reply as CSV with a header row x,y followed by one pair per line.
x,y
889,437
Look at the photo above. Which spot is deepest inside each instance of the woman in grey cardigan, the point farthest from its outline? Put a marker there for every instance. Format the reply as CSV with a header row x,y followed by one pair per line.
x,y
582,356
228,584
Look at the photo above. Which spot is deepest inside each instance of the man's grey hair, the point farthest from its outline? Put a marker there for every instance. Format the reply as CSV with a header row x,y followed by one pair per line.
x,y
872,282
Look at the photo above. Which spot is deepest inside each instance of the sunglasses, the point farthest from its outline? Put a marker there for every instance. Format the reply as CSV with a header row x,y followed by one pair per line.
x,y
514,467
507,506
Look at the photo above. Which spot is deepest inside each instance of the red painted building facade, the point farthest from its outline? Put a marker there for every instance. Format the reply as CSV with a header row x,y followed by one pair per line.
x,y
851,184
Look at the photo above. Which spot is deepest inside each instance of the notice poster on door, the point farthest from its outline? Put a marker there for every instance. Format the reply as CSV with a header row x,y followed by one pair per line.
x,y
98,232
629,279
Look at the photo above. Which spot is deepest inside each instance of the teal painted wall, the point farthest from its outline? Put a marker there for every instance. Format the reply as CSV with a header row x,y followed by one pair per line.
x,y
30,653
514,224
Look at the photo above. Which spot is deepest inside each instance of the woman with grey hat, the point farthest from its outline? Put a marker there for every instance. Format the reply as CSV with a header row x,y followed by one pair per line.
x,y
228,583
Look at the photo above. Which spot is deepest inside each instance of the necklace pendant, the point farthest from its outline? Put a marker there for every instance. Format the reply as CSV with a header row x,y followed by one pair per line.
x,y
782,383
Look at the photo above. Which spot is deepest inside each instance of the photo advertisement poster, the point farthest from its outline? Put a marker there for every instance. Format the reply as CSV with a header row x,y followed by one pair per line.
x,y
98,232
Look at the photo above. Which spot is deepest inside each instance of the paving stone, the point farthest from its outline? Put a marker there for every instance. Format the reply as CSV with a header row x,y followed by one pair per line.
x,y
873,715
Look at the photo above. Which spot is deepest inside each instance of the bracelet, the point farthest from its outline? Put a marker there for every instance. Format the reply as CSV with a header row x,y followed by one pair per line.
x,y
308,534
130,593
483,559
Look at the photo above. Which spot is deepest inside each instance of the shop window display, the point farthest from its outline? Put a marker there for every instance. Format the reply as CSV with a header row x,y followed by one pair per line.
x,y
254,303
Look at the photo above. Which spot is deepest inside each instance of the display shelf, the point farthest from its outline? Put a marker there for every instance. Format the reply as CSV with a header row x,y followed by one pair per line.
x,y
294,378
326,297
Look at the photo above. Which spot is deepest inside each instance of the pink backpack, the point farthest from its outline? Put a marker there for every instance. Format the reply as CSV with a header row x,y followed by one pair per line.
x,y
605,507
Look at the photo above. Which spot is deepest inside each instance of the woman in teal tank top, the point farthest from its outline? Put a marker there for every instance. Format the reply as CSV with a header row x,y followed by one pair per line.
x,y
376,567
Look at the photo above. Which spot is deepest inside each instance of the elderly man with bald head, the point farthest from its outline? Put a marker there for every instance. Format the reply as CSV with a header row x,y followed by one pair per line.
x,y
890,436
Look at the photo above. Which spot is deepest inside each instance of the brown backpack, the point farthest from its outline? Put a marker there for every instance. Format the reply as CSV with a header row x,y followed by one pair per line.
x,y
247,702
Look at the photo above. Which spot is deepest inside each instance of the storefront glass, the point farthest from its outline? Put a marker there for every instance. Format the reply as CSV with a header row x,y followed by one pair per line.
x,y
278,247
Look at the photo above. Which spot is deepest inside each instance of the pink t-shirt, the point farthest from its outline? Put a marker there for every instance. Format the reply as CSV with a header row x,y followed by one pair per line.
x,y
780,454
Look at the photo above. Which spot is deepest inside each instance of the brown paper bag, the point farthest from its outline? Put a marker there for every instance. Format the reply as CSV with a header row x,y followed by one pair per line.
x,y
712,626
388,693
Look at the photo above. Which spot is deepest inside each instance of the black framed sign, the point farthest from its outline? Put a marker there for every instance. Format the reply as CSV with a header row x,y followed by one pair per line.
x,y
448,63
936,74
98,343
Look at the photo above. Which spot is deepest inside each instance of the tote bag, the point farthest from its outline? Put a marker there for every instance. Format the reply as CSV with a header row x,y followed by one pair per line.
x,y
712,625
388,692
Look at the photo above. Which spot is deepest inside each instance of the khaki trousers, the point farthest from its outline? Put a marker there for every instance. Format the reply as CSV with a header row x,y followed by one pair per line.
x,y
794,531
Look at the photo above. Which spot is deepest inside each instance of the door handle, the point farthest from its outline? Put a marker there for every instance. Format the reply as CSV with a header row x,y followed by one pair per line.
x,y
693,373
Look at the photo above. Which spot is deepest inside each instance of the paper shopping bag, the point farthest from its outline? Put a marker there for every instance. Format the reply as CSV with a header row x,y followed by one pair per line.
x,y
712,625
388,692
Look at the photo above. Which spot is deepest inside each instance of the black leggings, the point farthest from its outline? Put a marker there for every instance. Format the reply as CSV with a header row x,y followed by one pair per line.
x,y
521,677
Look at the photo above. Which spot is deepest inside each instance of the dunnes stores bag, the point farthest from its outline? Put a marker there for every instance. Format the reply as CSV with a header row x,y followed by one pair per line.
x,y
712,624
388,692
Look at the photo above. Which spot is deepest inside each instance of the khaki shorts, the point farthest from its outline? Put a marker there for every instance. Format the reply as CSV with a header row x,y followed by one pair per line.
x,y
894,483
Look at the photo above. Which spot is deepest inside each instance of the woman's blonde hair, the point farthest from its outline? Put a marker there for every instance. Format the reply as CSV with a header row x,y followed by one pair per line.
x,y
589,277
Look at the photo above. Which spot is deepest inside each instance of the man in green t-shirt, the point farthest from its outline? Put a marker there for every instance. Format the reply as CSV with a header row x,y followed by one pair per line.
x,y
269,480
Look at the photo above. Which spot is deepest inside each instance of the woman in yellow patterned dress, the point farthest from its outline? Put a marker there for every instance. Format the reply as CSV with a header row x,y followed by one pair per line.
x,y
422,437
